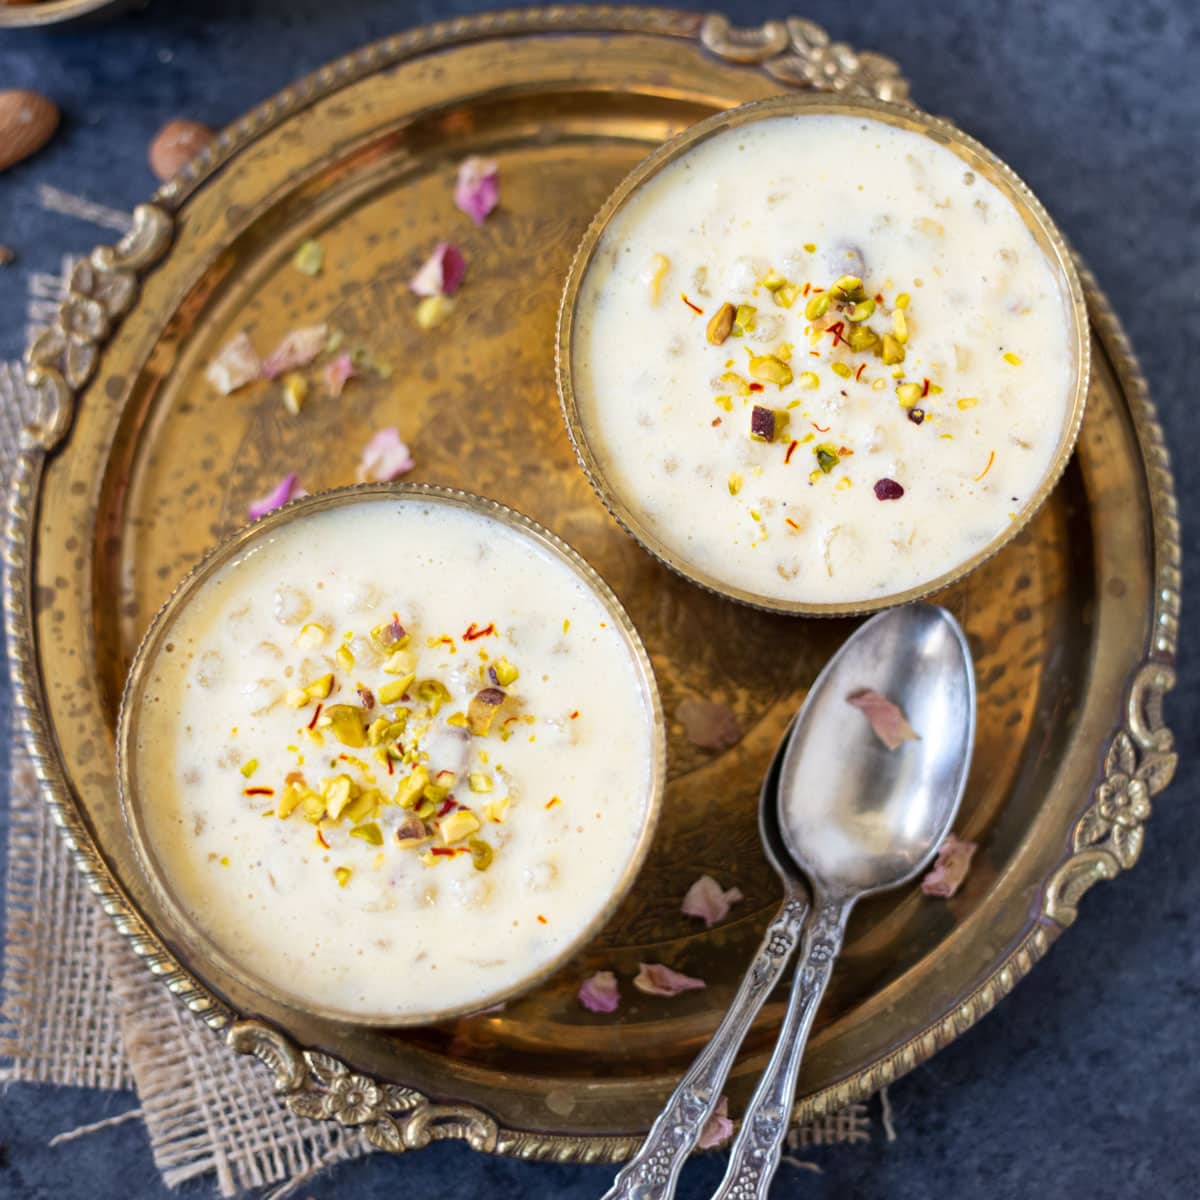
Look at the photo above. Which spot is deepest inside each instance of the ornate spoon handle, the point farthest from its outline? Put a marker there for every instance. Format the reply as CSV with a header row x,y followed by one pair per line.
x,y
653,1170
755,1153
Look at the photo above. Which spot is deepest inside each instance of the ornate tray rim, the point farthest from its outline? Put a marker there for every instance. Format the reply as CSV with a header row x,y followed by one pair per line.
x,y
1139,761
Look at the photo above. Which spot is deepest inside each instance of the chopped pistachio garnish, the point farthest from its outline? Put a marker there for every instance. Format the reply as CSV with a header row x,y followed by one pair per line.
x,y
369,832
840,368
295,697
903,300
481,854
768,424
309,258
337,793
909,394
773,281
787,295
411,789
900,326
734,483
862,337
660,264
347,723
1014,359
503,672
294,392
394,690
401,662
313,807
848,287
458,825
769,369
861,311
744,322
363,805
479,782
390,636
342,875
817,306
319,689
967,402
725,402
344,657
432,311
248,768
494,810
481,712
432,693
721,324
810,380
893,351
292,796
827,456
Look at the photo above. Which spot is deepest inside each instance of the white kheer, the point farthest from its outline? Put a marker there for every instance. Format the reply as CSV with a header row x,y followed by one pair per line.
x,y
378,758
821,359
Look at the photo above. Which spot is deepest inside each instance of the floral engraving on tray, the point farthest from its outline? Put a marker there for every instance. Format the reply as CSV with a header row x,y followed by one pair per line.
x,y
799,52
101,289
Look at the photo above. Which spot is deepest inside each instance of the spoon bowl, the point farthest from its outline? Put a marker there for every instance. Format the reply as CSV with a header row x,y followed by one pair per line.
x,y
856,817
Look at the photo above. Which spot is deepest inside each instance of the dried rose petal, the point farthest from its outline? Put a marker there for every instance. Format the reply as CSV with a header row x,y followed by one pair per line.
x,y
718,1128
477,191
237,365
442,273
947,873
338,373
599,992
656,980
297,349
286,489
889,489
385,457
706,899
709,724
886,719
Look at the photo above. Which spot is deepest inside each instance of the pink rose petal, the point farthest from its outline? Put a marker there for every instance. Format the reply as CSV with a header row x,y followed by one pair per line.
x,y
442,274
656,980
709,724
297,349
886,719
385,457
706,899
237,365
477,191
286,489
599,992
338,373
947,873
718,1128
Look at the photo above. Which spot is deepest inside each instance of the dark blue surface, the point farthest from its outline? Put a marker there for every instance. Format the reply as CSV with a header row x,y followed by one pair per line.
x,y
1086,1081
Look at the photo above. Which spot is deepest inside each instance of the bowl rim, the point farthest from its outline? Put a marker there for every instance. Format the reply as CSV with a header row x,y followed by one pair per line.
x,y
1050,239
191,941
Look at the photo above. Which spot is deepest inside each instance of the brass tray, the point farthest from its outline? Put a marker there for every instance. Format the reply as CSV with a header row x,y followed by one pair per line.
x,y
134,469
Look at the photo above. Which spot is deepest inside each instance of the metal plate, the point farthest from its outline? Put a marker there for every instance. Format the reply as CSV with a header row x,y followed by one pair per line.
x,y
136,468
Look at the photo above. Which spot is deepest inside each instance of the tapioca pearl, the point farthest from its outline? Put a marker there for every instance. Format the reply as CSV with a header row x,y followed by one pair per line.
x,y
361,596
539,877
291,605
210,669
472,891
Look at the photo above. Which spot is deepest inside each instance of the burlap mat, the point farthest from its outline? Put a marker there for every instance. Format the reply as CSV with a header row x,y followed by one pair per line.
x,y
78,1008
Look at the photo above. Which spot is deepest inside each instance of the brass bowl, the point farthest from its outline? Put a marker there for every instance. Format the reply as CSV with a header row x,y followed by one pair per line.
x,y
59,12
191,942
975,156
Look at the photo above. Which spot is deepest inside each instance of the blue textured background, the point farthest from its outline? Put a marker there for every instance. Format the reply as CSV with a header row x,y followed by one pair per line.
x,y
1086,1081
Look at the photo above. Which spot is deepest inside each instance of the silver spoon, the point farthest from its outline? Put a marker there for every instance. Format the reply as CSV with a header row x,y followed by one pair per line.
x,y
653,1170
858,818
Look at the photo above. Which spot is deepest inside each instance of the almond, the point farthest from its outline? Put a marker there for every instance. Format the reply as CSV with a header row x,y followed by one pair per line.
x,y
176,143
27,122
